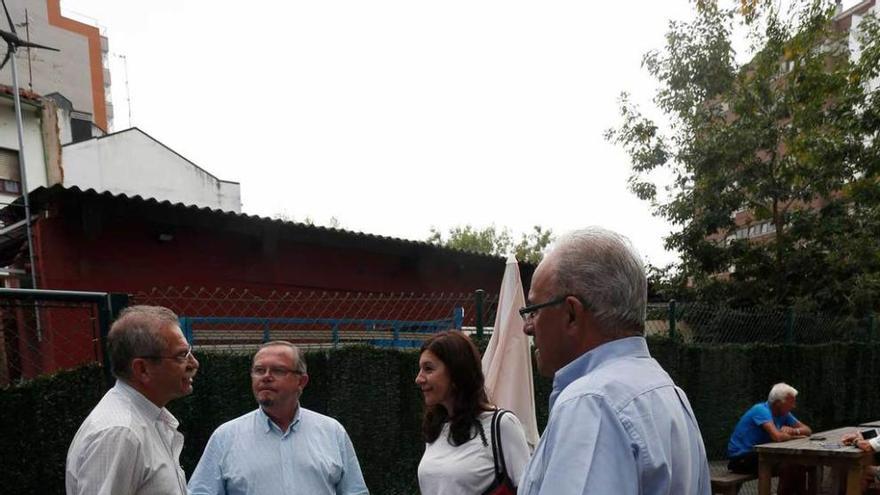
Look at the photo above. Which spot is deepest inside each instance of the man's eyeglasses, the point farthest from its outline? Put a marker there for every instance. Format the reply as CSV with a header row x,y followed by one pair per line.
x,y
276,372
528,312
180,357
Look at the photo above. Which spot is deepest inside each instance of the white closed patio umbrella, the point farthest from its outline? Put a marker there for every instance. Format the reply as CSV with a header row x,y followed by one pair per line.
x,y
507,362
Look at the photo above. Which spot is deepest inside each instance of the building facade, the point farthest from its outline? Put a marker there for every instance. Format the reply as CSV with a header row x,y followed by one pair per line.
x,y
133,163
80,70
747,225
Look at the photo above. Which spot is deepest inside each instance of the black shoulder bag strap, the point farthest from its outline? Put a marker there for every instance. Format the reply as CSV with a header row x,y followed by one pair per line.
x,y
497,450
501,485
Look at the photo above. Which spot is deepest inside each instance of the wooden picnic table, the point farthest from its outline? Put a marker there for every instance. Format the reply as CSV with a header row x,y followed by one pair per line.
x,y
819,449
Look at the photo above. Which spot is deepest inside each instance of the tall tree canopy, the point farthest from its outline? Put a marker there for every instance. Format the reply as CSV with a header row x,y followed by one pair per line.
x,y
498,242
787,143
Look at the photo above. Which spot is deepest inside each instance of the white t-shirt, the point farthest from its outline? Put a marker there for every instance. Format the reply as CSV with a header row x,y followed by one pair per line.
x,y
469,468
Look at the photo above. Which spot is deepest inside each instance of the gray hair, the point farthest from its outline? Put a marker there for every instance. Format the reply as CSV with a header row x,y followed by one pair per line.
x,y
780,392
604,271
298,354
136,333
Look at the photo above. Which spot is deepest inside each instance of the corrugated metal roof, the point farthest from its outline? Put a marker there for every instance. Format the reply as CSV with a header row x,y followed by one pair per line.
x,y
42,195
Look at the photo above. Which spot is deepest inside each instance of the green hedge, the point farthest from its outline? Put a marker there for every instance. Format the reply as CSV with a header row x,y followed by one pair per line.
x,y
837,383
372,393
37,423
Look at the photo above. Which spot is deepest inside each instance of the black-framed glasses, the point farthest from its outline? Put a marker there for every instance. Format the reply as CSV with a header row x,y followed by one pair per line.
x,y
276,371
180,357
528,312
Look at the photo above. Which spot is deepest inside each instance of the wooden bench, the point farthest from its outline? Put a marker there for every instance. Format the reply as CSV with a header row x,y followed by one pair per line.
x,y
729,483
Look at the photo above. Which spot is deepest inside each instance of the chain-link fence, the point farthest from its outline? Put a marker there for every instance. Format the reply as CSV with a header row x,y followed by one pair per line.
x,y
241,319
43,331
337,317
700,323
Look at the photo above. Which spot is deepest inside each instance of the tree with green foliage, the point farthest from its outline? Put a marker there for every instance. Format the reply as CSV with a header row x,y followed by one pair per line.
x,y
791,138
497,242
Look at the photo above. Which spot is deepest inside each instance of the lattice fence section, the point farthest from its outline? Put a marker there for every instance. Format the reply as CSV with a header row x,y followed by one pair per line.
x,y
224,318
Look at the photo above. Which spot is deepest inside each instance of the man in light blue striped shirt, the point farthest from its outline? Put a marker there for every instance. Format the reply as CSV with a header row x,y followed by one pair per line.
x,y
281,448
618,424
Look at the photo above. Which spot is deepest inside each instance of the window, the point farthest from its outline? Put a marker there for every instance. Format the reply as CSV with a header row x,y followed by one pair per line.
x,y
9,165
10,186
80,129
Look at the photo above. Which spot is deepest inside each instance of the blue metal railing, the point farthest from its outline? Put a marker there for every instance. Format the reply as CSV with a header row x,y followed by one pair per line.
x,y
374,331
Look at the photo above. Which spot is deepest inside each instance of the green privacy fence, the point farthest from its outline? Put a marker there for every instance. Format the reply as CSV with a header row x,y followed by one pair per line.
x,y
371,392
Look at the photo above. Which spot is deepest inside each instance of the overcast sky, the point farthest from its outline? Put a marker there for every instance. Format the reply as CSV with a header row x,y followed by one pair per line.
x,y
396,116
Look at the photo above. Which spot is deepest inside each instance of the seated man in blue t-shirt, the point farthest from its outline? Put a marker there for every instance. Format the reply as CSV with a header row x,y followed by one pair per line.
x,y
765,422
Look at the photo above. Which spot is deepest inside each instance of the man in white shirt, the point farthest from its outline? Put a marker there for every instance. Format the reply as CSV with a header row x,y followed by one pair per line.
x,y
129,443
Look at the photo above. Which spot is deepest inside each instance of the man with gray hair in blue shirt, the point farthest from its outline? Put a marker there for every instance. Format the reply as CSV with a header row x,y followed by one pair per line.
x,y
618,424
281,448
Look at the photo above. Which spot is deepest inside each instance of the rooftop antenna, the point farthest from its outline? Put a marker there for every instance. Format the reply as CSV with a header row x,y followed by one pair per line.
x,y
13,43
27,32
127,92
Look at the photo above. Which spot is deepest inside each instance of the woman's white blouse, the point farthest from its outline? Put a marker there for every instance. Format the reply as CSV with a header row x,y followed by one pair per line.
x,y
469,468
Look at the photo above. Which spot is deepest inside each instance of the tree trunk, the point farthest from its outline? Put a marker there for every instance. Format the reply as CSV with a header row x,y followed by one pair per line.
x,y
780,263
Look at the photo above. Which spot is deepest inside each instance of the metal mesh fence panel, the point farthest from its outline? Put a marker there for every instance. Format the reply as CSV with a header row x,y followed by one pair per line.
x,y
700,323
241,319
40,337
232,317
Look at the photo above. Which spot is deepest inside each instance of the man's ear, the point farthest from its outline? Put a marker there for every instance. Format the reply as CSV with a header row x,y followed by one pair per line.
x,y
140,373
303,380
575,310
580,323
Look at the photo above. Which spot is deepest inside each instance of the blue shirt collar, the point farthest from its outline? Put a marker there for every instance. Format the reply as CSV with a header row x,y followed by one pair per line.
x,y
589,361
270,425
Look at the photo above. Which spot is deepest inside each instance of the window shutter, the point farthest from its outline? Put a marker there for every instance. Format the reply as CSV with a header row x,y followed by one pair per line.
x,y
9,165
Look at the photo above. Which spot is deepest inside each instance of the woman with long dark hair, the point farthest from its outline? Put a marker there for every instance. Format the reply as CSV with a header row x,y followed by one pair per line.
x,y
458,456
